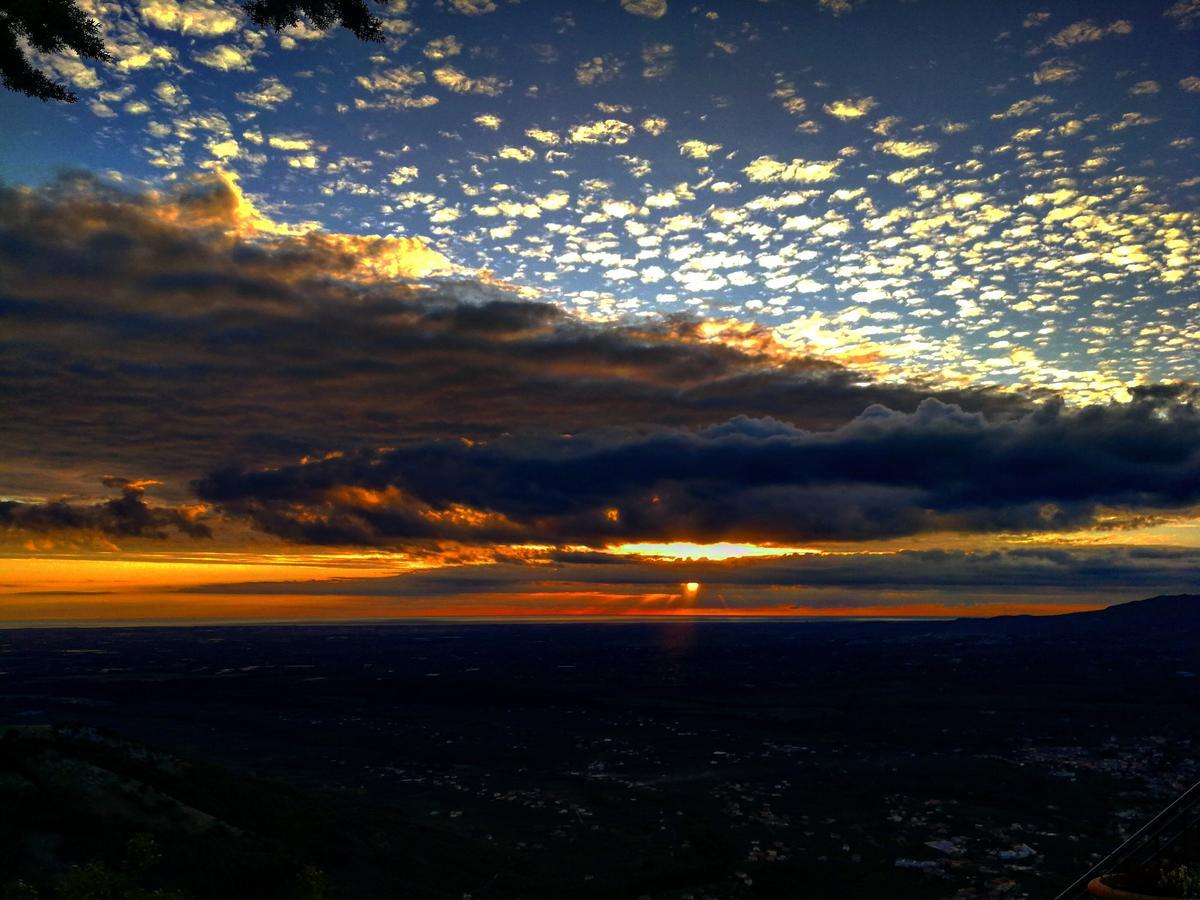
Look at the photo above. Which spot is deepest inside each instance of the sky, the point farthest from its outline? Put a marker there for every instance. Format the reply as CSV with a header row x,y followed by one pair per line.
x,y
606,308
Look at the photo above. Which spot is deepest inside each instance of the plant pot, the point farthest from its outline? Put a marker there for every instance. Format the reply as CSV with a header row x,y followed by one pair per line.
x,y
1123,887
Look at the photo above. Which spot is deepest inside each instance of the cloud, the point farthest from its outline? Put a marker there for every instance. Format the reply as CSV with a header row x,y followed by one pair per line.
x,y
226,57
443,48
768,169
604,131
126,516
598,70
658,60
301,30
517,154
1191,84
401,78
1132,120
764,582
907,149
838,7
1057,69
170,94
397,84
214,334
224,150
654,125
850,108
883,474
268,94
199,335
651,9
1024,107
403,175
200,18
542,136
298,142
461,83
194,328
698,149
472,7
1088,31
1186,13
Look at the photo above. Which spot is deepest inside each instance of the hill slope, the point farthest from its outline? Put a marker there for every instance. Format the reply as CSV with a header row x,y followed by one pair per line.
x,y
1167,612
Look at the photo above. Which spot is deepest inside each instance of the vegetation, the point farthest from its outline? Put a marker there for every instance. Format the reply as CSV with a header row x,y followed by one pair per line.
x,y
351,14
46,26
1180,881
93,817
133,877
59,26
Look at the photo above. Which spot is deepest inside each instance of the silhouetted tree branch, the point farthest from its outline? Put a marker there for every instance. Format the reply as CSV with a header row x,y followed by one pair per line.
x,y
48,26
352,14
53,26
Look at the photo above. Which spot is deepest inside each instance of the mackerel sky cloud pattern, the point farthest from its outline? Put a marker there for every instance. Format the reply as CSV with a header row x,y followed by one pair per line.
x,y
768,162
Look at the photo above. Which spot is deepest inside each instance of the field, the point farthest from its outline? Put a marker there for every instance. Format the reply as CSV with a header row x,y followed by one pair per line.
x,y
714,759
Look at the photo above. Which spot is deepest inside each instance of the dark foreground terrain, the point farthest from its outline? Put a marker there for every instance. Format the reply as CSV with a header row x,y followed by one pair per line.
x,y
673,760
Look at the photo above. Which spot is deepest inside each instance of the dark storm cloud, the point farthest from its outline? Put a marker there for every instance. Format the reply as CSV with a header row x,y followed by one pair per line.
x,y
128,515
141,332
1179,392
884,474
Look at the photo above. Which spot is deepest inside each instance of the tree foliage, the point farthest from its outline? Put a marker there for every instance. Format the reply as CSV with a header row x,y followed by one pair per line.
x,y
58,26
47,26
351,14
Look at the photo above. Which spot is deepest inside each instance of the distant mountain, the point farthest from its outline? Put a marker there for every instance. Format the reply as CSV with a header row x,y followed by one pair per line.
x,y
1166,609
1167,612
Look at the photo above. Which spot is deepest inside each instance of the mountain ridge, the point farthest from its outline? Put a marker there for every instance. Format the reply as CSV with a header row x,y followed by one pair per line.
x,y
1160,611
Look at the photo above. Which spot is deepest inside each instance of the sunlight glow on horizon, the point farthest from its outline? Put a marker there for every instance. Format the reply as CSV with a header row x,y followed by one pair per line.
x,y
687,550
